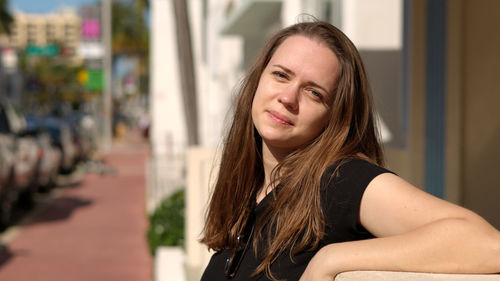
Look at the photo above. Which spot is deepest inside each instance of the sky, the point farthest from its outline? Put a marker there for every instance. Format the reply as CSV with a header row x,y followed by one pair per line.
x,y
46,6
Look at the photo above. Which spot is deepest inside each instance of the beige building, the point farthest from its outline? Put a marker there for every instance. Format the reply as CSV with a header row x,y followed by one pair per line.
x,y
45,29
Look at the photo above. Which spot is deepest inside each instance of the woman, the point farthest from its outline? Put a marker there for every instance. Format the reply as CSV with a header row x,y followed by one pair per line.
x,y
301,192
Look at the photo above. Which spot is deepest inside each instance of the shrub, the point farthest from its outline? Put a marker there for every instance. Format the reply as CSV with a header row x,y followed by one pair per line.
x,y
166,223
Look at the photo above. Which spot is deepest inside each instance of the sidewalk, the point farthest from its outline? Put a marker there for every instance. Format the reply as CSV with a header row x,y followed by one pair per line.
x,y
93,229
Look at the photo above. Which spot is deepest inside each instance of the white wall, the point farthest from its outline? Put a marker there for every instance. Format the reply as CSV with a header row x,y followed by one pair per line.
x,y
201,175
218,69
222,71
373,24
168,130
292,10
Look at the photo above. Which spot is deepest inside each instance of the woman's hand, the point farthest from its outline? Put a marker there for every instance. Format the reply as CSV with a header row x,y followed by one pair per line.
x,y
320,268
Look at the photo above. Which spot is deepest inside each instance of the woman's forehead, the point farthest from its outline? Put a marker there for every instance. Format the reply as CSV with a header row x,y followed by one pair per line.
x,y
308,58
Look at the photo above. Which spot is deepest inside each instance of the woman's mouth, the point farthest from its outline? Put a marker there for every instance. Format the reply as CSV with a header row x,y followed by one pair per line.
x,y
280,119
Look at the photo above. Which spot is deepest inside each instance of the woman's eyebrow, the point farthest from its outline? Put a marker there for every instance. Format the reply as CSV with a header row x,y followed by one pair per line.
x,y
317,86
290,72
287,70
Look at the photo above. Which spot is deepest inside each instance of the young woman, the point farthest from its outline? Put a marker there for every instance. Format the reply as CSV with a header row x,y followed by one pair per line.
x,y
301,191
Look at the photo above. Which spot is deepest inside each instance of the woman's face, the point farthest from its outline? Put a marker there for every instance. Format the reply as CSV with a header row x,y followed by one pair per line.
x,y
290,106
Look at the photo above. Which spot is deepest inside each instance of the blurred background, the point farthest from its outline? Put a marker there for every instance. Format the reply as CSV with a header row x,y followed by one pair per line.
x,y
80,78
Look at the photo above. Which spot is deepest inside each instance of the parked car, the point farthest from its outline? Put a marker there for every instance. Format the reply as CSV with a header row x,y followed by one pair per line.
x,y
62,138
50,156
25,148
84,129
7,192
6,161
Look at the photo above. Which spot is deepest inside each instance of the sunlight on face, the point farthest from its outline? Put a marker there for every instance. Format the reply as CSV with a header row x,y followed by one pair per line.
x,y
290,105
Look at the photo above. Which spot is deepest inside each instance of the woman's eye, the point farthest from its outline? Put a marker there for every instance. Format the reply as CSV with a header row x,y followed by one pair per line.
x,y
316,94
280,75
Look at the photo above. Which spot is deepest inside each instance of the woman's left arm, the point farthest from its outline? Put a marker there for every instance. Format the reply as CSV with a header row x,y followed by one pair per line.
x,y
415,232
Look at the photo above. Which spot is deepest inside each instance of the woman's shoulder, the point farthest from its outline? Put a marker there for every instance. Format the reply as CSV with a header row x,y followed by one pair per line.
x,y
352,171
342,186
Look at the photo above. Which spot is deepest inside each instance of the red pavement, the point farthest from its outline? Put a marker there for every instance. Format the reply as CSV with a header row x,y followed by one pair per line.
x,y
94,229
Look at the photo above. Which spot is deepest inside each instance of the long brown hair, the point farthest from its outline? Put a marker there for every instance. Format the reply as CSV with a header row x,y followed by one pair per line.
x,y
295,212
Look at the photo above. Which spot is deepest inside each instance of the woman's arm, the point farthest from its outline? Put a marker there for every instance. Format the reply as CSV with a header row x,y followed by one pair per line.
x,y
416,232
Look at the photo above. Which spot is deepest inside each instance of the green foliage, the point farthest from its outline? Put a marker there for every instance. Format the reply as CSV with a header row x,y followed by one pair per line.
x,y
166,226
6,19
51,79
129,27
130,34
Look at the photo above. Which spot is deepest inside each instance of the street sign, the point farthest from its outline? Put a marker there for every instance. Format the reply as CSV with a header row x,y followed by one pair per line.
x,y
95,81
90,50
42,51
91,29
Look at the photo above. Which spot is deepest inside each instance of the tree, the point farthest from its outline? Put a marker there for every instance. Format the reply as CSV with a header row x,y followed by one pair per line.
x,y
130,34
50,79
5,17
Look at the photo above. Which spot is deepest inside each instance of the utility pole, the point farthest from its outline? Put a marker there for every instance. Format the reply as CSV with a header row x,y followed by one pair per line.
x,y
106,64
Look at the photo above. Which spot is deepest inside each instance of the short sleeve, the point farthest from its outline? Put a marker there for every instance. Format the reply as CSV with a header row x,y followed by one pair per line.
x,y
341,199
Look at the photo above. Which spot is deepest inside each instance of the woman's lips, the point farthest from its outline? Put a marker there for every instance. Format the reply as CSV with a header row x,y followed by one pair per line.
x,y
281,119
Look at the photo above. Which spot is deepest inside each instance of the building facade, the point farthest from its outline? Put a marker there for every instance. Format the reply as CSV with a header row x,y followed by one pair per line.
x,y
62,27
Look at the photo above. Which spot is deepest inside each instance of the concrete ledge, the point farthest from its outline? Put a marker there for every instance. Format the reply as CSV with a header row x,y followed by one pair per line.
x,y
412,276
169,264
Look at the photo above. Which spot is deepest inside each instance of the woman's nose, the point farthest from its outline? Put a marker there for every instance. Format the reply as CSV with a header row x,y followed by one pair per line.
x,y
289,97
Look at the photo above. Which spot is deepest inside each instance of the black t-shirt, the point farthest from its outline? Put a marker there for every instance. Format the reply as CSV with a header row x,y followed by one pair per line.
x,y
340,198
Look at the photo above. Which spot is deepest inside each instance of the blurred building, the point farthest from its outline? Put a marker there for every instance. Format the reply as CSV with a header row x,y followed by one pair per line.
x,y
62,27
